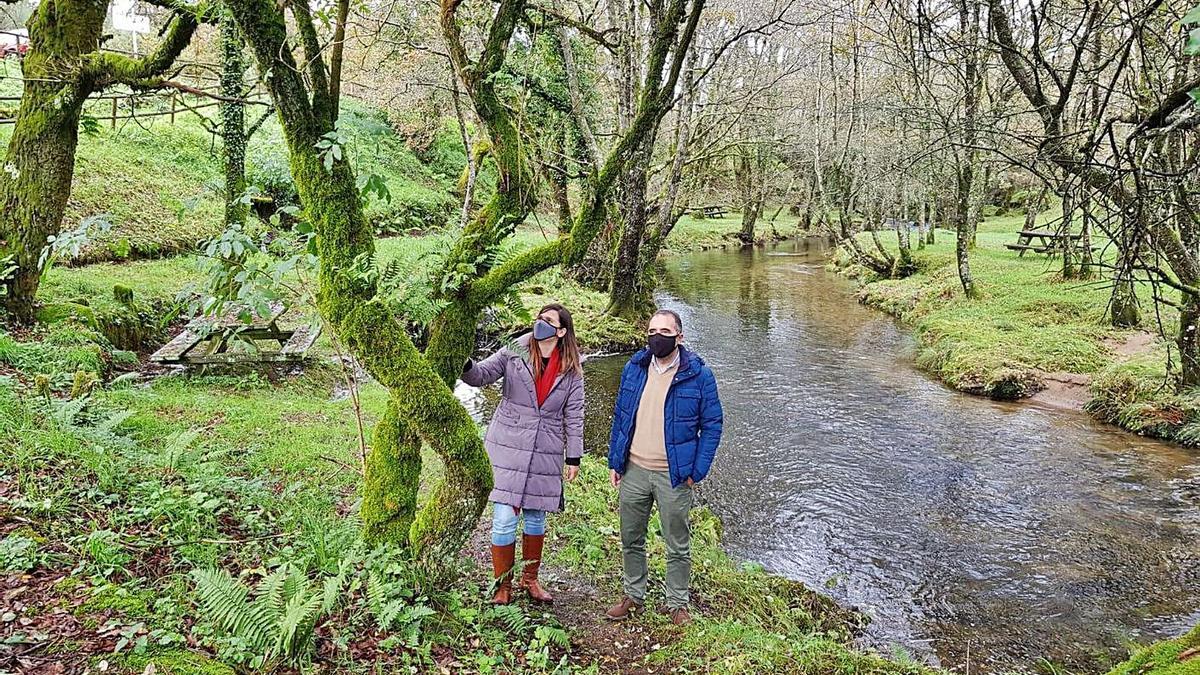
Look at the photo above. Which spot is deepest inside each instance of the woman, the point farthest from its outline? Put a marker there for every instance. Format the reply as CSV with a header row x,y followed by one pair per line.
x,y
540,418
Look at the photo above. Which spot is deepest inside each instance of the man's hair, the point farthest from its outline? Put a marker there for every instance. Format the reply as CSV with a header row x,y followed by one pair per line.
x,y
674,315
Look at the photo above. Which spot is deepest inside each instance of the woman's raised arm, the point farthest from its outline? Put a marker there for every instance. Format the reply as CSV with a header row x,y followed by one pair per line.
x,y
487,371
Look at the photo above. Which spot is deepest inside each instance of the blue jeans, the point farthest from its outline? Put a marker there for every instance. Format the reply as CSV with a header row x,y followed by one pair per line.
x,y
504,523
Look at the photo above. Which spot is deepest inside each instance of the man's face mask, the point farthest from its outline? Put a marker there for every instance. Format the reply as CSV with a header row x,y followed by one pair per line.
x,y
661,345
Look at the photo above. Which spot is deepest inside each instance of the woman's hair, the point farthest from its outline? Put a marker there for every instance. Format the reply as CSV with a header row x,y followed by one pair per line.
x,y
568,347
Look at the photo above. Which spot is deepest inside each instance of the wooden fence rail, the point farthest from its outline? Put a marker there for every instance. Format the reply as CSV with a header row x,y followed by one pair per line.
x,y
177,100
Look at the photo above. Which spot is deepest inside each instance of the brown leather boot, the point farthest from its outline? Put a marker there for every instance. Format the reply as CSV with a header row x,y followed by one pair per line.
x,y
502,564
624,609
681,617
531,553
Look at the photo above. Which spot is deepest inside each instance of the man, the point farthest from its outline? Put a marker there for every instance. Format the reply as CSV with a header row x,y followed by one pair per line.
x,y
665,432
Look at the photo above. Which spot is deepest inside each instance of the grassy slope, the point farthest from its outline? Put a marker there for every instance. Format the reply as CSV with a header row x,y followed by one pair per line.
x,y
1028,322
160,183
1025,319
1170,657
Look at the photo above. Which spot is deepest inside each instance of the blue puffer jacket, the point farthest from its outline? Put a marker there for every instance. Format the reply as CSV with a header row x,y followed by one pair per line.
x,y
692,416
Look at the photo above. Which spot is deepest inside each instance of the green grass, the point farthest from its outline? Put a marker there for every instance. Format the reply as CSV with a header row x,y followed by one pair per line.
x,y
1163,658
1028,322
693,233
161,183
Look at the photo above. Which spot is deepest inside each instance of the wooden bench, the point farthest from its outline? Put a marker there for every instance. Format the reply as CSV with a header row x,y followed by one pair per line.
x,y
206,341
1048,241
711,211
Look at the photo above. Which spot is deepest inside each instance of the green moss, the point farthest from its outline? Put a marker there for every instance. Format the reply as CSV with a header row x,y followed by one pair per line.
x,y
131,604
58,312
171,662
1164,658
392,479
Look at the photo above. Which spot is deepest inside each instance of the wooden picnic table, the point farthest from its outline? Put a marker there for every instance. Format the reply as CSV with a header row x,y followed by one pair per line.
x,y
711,211
206,341
1049,241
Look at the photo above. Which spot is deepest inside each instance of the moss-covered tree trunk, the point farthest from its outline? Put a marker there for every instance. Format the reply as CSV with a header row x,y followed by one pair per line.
x,y
746,176
1188,340
35,185
968,21
629,295
62,68
422,407
233,122
1123,309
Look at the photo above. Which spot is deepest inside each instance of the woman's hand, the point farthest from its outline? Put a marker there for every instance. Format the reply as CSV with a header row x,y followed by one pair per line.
x,y
572,472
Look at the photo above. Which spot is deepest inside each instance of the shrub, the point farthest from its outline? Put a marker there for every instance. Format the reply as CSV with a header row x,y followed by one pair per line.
x,y
19,553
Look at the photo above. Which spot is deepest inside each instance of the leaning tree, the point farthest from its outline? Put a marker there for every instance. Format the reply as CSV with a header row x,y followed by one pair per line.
x,y
65,64
422,408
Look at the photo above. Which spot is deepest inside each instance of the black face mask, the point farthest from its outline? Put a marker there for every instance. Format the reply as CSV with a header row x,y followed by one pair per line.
x,y
661,345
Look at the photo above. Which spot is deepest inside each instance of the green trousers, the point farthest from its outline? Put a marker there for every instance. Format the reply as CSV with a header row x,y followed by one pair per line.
x,y
640,490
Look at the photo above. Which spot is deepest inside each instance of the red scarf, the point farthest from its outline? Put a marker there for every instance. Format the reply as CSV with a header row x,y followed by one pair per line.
x,y
545,383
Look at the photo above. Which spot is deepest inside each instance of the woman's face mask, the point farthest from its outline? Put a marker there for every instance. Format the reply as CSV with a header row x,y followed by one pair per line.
x,y
543,330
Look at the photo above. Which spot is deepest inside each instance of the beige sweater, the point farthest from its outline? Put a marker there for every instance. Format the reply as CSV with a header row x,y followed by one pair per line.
x,y
649,447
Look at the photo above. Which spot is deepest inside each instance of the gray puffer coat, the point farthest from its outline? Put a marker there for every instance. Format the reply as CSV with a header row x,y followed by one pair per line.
x,y
526,443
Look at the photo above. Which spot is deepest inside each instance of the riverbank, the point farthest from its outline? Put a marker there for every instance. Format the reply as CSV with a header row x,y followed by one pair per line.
x,y
148,481
1032,335
121,484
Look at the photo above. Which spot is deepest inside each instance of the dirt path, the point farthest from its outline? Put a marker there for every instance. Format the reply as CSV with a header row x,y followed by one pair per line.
x,y
1072,390
579,605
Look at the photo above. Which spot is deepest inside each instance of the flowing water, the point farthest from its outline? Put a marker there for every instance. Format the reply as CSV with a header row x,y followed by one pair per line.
x,y
969,530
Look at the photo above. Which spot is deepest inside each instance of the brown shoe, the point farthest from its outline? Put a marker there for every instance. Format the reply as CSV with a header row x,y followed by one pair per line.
x,y
680,617
502,564
531,552
623,609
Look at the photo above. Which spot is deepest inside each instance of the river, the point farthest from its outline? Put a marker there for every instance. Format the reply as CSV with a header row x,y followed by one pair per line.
x,y
969,530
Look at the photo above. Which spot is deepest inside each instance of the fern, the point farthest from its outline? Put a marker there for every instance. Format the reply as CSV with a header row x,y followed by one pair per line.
x,y
270,593
376,594
278,619
298,622
332,591
511,618
225,602
553,635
